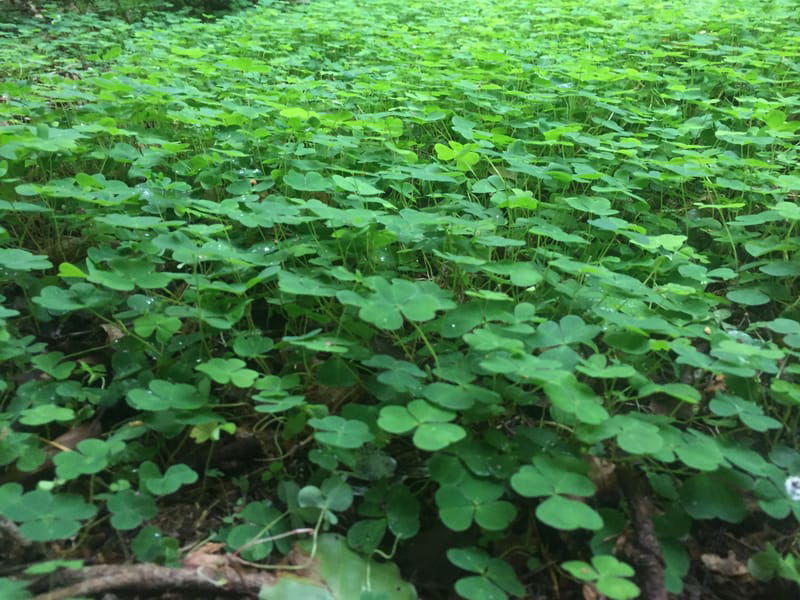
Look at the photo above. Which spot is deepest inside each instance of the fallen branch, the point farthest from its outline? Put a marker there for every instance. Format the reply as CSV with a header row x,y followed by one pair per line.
x,y
154,578
647,551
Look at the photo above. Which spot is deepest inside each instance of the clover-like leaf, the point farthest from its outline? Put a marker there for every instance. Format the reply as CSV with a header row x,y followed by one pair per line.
x,y
356,186
245,535
129,509
608,574
402,511
229,370
45,413
749,413
164,395
365,535
22,260
449,396
385,308
477,500
479,588
713,496
496,577
161,485
341,433
700,451
433,430
162,325
576,398
545,477
14,589
567,514
53,364
90,456
47,517
436,436
306,182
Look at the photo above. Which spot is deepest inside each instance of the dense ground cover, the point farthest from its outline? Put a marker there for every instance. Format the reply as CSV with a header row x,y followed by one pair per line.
x,y
504,292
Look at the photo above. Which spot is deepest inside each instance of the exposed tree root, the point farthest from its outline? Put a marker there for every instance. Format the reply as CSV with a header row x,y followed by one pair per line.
x,y
149,578
646,552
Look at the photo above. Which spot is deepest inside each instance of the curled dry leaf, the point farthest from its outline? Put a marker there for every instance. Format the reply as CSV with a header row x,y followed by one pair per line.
x,y
113,332
206,557
730,565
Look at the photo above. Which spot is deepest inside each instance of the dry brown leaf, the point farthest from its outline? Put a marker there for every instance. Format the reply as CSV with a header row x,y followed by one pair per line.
x,y
730,565
601,472
588,592
113,332
71,438
205,556
718,385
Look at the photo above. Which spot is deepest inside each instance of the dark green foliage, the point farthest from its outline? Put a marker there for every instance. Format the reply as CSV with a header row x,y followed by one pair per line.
x,y
426,271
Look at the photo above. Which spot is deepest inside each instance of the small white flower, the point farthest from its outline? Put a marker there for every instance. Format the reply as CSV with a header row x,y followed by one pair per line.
x,y
464,19
793,487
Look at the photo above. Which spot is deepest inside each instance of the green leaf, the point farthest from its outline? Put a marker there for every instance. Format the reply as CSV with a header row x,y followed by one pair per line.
x,y
366,535
479,588
356,186
699,451
472,559
162,325
436,436
749,413
396,419
563,513
748,297
150,545
66,269
303,285
163,395
9,494
546,477
474,499
448,396
580,570
46,517
711,496
250,344
175,477
90,456
14,589
341,433
129,509
246,534
346,574
597,206
617,588
51,364
577,399
680,391
402,511
229,370
291,587
609,566
306,182
638,437
45,413
22,260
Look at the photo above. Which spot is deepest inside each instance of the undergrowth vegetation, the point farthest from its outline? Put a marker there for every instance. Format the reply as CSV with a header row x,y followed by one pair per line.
x,y
504,292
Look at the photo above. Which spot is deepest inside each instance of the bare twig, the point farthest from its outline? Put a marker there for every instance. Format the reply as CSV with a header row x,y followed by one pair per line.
x,y
151,578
